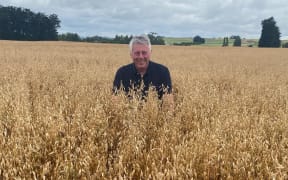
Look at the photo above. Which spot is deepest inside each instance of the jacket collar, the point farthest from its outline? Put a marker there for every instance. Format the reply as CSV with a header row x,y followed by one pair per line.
x,y
148,68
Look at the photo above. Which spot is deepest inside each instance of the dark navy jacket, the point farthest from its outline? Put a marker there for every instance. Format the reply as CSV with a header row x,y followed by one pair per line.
x,y
157,76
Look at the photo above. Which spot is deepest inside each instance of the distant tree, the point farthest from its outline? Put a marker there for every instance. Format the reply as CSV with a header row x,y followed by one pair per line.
x,y
156,39
237,41
270,36
23,24
98,39
121,39
69,37
198,40
225,42
54,24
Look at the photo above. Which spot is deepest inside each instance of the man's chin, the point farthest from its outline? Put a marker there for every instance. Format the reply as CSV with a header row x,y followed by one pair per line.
x,y
141,66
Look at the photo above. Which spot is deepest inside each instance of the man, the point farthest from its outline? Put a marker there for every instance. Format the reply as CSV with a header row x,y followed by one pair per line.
x,y
143,73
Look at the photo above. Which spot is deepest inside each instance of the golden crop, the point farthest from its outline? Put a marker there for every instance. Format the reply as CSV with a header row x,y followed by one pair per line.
x,y
57,119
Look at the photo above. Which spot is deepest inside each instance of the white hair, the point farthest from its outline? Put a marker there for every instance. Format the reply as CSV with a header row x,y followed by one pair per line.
x,y
141,39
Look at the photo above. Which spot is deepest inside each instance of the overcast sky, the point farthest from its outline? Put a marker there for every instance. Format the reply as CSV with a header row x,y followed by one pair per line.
x,y
171,18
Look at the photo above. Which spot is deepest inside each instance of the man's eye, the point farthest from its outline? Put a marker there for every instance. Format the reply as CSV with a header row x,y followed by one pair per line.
x,y
144,53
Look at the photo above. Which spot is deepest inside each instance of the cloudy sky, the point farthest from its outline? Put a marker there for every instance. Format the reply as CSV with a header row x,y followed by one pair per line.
x,y
171,18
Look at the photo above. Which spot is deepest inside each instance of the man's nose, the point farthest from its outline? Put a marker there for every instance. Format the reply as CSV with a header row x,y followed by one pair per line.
x,y
141,55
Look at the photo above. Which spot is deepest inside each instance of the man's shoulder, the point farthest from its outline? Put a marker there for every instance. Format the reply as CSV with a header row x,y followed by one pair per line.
x,y
127,67
158,66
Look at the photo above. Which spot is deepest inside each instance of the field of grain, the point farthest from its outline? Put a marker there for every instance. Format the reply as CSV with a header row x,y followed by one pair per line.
x,y
57,119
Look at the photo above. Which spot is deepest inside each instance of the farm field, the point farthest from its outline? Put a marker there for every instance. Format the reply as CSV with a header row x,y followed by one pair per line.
x,y
57,119
214,42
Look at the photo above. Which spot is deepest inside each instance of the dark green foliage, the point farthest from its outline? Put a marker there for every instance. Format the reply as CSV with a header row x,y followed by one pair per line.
x,y
98,39
69,37
225,42
270,36
155,39
237,41
23,24
198,40
122,39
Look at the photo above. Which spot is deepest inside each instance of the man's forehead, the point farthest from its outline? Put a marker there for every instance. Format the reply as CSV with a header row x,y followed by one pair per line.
x,y
140,47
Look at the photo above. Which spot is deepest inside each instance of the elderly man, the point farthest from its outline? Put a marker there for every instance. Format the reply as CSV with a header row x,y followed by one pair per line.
x,y
143,73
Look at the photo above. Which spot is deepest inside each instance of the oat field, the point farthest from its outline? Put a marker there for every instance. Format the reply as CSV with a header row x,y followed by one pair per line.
x,y
57,119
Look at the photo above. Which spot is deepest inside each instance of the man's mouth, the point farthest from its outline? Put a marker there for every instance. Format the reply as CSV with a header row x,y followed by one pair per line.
x,y
141,60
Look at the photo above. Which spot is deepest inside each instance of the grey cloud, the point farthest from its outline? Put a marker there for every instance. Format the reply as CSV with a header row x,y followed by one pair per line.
x,y
170,18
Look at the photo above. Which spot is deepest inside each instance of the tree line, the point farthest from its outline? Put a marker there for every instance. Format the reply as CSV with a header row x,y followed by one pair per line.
x,y
23,24
118,39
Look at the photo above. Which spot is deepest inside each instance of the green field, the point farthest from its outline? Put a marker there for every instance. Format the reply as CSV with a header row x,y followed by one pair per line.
x,y
209,41
172,40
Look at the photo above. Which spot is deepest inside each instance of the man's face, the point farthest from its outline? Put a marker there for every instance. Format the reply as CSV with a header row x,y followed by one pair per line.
x,y
141,56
